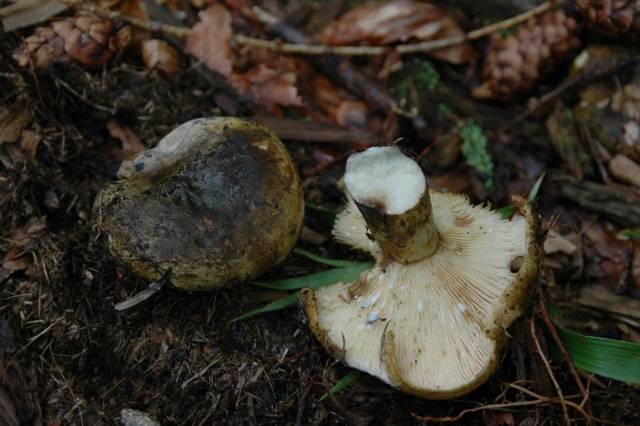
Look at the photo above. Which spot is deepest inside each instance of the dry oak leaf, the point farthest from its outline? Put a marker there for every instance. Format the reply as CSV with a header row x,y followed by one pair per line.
x,y
160,55
268,86
397,22
12,122
210,39
131,143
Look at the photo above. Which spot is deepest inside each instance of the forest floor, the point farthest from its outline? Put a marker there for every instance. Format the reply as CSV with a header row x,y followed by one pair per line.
x,y
68,357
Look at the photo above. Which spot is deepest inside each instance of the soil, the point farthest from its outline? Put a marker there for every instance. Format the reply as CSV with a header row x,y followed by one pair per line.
x,y
68,357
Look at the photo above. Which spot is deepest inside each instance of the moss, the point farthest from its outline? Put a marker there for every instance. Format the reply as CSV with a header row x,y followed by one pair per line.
x,y
474,149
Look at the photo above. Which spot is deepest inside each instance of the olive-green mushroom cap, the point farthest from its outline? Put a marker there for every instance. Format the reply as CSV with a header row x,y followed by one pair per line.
x,y
218,201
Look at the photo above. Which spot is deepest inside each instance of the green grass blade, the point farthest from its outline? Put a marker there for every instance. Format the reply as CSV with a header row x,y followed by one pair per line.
x,y
329,214
318,279
533,193
507,211
276,305
338,263
630,234
315,281
343,383
615,359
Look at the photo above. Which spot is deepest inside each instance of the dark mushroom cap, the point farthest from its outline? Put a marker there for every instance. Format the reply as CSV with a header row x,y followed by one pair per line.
x,y
218,201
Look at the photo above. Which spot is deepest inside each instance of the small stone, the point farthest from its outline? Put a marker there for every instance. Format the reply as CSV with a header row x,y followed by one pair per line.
x,y
131,417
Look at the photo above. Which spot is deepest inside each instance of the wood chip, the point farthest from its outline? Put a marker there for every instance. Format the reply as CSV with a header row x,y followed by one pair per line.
x,y
23,13
625,170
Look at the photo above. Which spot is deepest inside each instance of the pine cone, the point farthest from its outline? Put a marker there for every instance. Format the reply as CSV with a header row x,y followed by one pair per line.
x,y
614,18
514,64
88,39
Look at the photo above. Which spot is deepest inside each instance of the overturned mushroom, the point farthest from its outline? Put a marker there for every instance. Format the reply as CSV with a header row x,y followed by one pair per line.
x,y
450,277
218,201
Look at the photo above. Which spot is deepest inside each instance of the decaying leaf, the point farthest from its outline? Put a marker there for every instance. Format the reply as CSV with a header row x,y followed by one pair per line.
x,y
160,55
397,21
268,86
131,143
29,143
341,109
23,13
567,143
209,41
610,111
625,169
607,257
87,39
12,121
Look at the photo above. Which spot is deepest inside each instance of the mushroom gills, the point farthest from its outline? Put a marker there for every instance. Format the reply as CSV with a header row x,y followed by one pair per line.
x,y
439,321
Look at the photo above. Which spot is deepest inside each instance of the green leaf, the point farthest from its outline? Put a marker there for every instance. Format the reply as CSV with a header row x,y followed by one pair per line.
x,y
318,279
506,212
630,234
533,193
276,305
315,281
338,263
615,359
342,384
329,214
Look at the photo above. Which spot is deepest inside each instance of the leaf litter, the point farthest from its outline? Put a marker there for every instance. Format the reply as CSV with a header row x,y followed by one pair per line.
x,y
82,92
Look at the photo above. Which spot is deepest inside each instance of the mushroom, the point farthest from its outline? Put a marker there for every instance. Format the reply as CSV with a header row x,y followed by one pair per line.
x,y
218,201
430,317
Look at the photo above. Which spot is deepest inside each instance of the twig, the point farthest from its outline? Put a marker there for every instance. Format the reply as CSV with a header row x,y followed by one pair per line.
x,y
201,372
550,371
542,400
319,49
173,30
566,401
424,46
136,299
556,338
539,400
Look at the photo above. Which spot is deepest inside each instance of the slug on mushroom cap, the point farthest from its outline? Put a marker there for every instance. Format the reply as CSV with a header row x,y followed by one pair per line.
x,y
218,201
430,316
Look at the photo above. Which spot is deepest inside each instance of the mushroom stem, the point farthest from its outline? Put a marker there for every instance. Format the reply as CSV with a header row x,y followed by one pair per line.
x,y
390,191
407,237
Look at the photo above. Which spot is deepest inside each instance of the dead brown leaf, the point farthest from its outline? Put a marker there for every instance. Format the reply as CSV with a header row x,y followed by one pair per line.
x,y
131,143
209,41
557,243
501,419
625,169
398,21
12,122
268,86
340,108
607,257
29,143
16,260
24,13
160,55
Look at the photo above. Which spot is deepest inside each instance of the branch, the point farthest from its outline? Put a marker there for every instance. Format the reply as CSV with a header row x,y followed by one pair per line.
x,y
320,49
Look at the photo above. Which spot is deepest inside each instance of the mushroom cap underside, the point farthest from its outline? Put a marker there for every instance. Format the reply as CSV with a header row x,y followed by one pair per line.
x,y
434,328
